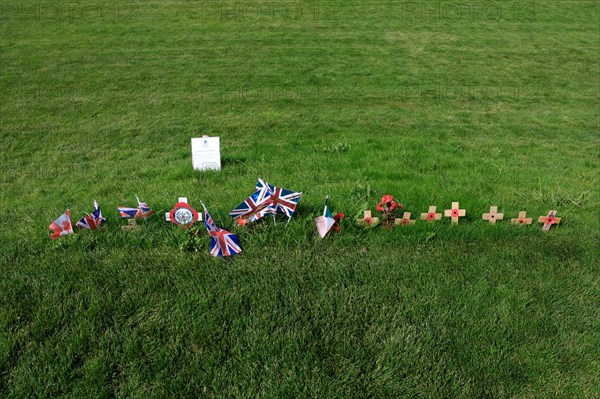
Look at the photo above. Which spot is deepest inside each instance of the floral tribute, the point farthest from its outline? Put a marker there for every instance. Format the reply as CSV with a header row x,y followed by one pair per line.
x,y
389,208
337,217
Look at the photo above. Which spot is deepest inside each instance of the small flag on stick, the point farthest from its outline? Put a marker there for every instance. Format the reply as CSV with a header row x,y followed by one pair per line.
x,y
93,220
267,199
143,211
326,221
222,242
61,226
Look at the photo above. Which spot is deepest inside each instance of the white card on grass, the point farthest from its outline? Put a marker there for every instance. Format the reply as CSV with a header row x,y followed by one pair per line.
x,y
206,153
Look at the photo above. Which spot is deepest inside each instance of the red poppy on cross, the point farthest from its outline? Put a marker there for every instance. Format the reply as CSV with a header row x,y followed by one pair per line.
x,y
522,219
405,220
430,216
455,212
549,220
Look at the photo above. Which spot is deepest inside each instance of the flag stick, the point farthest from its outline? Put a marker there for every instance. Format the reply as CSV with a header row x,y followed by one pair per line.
x,y
138,201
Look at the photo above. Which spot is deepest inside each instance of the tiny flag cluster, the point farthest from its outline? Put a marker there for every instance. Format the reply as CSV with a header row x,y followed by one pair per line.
x,y
93,220
143,211
266,200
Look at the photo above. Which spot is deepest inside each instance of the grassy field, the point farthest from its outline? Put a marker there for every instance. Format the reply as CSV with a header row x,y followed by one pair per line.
x,y
486,103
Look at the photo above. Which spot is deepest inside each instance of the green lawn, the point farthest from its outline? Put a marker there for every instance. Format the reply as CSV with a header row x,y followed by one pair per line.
x,y
486,103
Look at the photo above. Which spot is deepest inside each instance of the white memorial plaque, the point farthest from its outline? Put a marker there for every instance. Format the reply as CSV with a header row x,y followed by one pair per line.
x,y
206,153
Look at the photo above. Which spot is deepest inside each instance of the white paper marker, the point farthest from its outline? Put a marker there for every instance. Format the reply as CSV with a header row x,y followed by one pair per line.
x,y
206,153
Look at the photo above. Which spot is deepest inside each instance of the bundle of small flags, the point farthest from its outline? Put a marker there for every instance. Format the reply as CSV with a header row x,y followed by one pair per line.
x,y
93,220
143,211
267,199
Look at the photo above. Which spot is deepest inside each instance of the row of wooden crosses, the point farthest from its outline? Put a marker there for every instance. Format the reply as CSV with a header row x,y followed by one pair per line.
x,y
455,213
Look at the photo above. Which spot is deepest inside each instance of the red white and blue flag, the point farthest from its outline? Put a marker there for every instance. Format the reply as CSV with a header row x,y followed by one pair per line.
x,y
255,206
267,199
61,226
222,242
93,220
284,201
143,211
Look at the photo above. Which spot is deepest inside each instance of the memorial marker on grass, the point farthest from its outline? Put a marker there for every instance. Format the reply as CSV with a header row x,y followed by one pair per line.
x,y
206,153
549,220
368,219
183,214
493,215
132,226
405,220
431,216
522,219
455,212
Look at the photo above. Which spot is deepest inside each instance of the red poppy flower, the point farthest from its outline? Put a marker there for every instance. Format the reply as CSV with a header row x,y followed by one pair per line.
x,y
430,216
386,199
454,213
387,204
550,220
368,220
241,221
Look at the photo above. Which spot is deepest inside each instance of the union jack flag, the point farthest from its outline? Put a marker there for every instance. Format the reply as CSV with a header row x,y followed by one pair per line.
x,y
222,242
143,211
93,220
255,206
284,201
267,199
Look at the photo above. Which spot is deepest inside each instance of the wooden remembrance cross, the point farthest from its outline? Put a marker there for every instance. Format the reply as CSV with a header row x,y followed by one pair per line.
x,y
430,216
131,226
493,215
405,220
522,219
455,212
368,219
549,220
